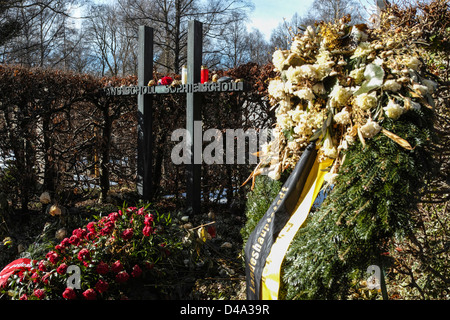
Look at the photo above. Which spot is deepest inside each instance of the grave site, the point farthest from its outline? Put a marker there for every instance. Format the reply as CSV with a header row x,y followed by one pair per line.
x,y
322,174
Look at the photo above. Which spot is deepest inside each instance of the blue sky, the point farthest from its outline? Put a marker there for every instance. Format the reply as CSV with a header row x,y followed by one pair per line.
x,y
269,13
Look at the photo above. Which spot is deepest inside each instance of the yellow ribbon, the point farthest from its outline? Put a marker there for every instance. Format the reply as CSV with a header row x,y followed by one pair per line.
x,y
271,273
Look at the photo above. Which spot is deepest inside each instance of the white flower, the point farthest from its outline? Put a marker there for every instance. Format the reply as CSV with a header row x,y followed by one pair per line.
x,y
297,115
308,71
278,58
275,171
349,138
390,44
293,145
375,74
412,62
294,75
357,75
409,104
323,70
283,107
297,45
340,95
366,101
343,117
284,121
289,87
423,90
324,63
370,129
393,110
378,61
329,149
324,57
276,89
363,49
330,178
392,85
305,93
358,35
310,32
343,145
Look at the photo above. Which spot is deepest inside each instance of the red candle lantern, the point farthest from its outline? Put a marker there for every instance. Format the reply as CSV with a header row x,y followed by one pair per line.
x,y
204,74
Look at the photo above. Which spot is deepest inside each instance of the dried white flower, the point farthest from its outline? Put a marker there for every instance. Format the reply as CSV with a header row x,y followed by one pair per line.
x,y
412,62
278,58
358,35
284,121
297,45
409,104
289,87
275,171
378,46
363,49
421,89
403,79
305,93
349,138
339,95
393,110
310,32
276,89
329,149
297,115
370,129
283,107
357,75
296,74
366,101
330,178
343,117
319,88
392,85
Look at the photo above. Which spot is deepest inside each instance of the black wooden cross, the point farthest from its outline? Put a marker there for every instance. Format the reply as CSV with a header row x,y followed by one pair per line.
x,y
193,89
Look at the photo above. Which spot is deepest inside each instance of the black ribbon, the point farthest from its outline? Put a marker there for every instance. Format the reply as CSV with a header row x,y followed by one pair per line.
x,y
260,241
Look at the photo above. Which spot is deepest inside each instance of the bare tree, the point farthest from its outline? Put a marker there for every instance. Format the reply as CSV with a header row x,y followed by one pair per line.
x,y
234,45
333,10
39,32
9,22
282,35
258,48
169,20
106,42
240,47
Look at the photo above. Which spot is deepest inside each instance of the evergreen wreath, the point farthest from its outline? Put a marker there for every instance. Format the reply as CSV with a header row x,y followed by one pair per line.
x,y
366,96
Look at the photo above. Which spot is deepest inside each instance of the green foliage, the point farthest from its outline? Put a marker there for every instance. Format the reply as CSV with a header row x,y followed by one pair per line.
x,y
259,201
375,195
